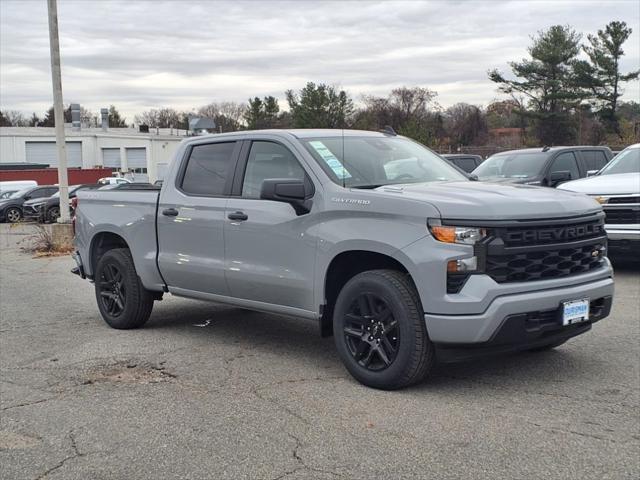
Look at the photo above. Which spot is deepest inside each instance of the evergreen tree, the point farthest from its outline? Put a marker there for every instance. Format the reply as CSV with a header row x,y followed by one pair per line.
x,y
115,120
601,76
548,80
319,106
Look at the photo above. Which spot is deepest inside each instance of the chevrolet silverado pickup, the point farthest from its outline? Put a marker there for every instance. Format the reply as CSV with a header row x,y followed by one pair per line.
x,y
617,188
392,250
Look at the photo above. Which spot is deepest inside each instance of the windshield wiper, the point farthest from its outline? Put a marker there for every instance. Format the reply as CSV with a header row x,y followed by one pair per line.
x,y
370,187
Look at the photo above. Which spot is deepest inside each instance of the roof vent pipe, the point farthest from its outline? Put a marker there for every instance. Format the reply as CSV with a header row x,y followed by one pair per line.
x,y
104,114
75,117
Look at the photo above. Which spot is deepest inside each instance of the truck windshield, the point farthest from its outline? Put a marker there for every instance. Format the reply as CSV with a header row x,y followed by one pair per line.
x,y
369,162
512,165
627,161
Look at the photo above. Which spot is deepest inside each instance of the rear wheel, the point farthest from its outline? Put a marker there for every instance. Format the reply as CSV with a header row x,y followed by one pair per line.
x,y
379,330
122,300
13,214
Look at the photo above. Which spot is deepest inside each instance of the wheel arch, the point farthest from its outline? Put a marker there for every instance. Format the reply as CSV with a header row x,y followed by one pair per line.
x,y
101,243
344,266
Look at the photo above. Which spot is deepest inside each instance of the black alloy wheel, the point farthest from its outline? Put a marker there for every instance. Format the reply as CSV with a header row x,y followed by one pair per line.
x,y
380,332
371,332
113,293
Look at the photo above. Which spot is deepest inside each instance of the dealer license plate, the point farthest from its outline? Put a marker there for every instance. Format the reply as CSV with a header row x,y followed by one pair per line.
x,y
575,311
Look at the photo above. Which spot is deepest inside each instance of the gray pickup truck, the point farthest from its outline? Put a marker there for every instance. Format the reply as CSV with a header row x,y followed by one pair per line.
x,y
393,251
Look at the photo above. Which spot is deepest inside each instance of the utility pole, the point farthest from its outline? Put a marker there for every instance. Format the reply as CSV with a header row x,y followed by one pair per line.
x,y
58,108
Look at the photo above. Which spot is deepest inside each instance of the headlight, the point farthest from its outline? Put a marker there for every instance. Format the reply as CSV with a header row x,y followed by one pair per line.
x,y
451,234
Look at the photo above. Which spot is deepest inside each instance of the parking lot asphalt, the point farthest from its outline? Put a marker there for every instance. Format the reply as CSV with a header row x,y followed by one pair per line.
x,y
205,391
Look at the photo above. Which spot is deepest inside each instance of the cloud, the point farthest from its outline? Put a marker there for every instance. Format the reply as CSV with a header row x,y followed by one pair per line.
x,y
147,54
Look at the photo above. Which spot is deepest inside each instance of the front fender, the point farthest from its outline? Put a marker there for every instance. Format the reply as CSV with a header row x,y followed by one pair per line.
x,y
386,236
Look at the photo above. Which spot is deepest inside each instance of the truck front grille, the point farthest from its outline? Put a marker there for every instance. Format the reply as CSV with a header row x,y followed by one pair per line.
x,y
612,200
622,216
530,250
544,264
540,250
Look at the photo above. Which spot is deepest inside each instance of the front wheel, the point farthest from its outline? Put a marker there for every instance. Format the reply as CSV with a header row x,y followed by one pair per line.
x,y
379,330
52,214
122,300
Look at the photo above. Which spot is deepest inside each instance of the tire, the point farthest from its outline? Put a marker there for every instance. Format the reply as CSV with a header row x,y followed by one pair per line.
x,y
122,300
52,214
546,348
13,214
379,330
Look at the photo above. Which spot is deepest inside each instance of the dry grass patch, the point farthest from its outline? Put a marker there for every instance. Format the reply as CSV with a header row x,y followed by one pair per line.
x,y
43,244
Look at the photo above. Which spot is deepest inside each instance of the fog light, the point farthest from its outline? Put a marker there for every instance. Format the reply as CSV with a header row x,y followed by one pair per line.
x,y
463,265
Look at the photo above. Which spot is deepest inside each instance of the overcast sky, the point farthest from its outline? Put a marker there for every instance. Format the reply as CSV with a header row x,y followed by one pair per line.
x,y
146,54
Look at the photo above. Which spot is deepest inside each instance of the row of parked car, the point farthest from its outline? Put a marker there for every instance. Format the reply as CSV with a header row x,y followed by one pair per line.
x,y
548,166
613,180
26,200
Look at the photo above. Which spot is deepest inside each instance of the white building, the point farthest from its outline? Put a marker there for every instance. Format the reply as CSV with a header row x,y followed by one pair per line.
x,y
146,155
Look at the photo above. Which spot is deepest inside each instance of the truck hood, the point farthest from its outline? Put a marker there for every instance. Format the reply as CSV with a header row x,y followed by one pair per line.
x,y
614,184
493,201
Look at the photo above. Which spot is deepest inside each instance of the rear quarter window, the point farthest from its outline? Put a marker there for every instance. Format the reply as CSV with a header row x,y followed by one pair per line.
x,y
467,164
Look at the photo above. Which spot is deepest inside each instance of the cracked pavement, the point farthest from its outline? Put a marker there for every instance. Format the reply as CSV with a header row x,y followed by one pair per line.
x,y
206,391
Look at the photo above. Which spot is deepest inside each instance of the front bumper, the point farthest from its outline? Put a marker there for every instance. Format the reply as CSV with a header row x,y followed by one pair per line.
x,y
33,211
483,327
525,331
623,232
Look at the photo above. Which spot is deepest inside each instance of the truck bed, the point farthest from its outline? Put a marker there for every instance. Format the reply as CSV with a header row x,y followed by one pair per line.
x,y
129,213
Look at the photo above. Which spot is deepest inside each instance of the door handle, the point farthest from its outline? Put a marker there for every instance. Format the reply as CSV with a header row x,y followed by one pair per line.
x,y
238,216
170,212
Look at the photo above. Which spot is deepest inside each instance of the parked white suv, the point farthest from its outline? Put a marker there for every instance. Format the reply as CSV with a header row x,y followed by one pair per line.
x,y
617,188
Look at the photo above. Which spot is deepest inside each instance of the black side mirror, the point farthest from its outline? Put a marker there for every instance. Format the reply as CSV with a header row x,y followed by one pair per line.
x,y
295,192
27,197
558,177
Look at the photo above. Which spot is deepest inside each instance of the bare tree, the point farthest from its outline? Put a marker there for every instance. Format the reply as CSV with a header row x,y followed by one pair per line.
x,y
163,118
228,116
13,118
466,124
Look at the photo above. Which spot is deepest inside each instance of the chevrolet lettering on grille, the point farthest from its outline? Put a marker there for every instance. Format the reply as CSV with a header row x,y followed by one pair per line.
x,y
572,232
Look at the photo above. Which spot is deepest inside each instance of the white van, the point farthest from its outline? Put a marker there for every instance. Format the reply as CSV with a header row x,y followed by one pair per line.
x,y
15,185
113,180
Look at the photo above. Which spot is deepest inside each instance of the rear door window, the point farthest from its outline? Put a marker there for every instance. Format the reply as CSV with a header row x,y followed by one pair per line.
x,y
208,169
594,159
566,162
